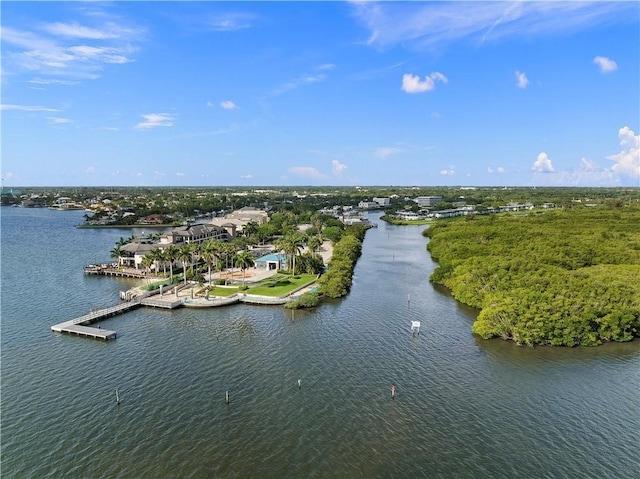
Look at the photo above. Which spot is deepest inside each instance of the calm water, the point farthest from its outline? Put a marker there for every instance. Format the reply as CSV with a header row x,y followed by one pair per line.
x,y
464,408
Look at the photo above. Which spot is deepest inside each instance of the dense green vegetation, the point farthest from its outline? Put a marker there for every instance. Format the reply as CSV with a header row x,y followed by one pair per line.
x,y
392,220
564,277
336,282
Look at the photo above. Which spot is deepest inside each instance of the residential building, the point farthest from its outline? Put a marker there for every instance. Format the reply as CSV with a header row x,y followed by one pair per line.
x,y
428,200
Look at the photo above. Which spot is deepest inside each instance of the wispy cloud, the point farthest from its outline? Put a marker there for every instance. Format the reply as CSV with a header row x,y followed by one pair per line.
x,y
109,31
448,172
52,81
429,25
154,120
56,120
307,172
70,51
499,170
386,151
413,84
606,65
297,83
521,80
27,108
230,22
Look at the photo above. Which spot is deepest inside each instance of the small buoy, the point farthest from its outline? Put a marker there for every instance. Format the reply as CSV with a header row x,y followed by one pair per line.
x,y
227,397
393,392
117,397
299,383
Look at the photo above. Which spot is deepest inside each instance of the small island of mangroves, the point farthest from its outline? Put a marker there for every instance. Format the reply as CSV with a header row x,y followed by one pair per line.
x,y
567,277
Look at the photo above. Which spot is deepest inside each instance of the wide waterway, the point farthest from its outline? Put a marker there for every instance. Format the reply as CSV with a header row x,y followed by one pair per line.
x,y
464,408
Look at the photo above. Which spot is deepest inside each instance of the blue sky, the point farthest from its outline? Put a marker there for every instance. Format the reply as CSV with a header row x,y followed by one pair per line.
x,y
320,93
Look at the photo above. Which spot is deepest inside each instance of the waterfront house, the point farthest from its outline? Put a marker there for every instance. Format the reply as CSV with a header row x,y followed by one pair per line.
x,y
195,234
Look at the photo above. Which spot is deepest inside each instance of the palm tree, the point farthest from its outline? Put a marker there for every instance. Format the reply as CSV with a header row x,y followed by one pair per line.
x,y
195,254
147,261
244,260
209,254
171,254
162,257
184,255
156,256
115,253
291,244
314,243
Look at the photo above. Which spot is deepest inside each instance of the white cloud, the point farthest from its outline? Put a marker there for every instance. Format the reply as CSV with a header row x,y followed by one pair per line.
x,y
499,170
298,82
521,80
606,64
337,168
228,105
109,31
179,173
246,177
210,104
153,120
386,151
52,81
427,25
57,50
413,84
627,162
307,171
447,172
58,120
230,22
542,164
90,171
326,66
26,108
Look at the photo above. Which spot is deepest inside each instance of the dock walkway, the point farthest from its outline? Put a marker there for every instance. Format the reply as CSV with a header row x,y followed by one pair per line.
x,y
79,326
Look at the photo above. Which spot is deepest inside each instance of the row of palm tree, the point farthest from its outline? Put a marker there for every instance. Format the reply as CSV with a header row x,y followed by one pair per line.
x,y
219,254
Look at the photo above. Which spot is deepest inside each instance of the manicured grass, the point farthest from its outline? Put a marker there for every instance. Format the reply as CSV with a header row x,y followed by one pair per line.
x,y
221,291
279,285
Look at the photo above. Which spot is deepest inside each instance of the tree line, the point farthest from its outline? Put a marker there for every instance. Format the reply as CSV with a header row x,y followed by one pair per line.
x,y
561,277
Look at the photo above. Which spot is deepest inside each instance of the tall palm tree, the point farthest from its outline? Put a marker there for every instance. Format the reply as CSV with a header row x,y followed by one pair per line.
x,y
147,261
291,244
184,256
162,257
209,254
195,254
244,260
171,254
156,255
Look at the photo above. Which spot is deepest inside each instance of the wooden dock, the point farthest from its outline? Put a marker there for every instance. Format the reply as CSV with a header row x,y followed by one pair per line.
x,y
108,270
162,302
79,326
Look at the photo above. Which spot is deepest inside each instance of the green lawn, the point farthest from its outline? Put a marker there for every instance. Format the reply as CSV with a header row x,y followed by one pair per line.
x,y
222,291
279,284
